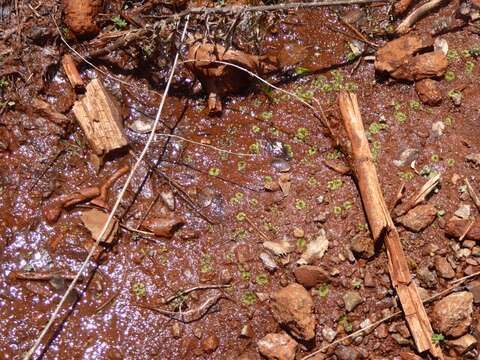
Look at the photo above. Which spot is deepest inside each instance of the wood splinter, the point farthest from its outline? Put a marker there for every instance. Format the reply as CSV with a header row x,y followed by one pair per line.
x,y
100,119
383,228
72,73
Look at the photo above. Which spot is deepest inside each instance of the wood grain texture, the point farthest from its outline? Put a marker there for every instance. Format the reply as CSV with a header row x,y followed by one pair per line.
x,y
383,228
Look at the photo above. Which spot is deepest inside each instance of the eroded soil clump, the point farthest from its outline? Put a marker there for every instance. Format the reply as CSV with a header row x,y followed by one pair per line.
x,y
242,234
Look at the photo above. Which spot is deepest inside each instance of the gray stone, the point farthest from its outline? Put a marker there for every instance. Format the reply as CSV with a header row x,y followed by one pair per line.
x,y
352,299
427,278
406,157
363,247
329,334
443,268
437,128
463,212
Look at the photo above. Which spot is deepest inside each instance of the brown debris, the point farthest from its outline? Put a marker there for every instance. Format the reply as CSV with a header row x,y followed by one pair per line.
x,y
72,73
277,347
418,197
53,210
94,220
428,91
418,218
401,6
383,228
46,110
452,316
102,199
339,167
80,16
164,226
396,52
310,276
398,59
455,227
100,119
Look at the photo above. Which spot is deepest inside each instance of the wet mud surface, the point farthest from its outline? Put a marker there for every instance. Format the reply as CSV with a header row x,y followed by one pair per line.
x,y
225,199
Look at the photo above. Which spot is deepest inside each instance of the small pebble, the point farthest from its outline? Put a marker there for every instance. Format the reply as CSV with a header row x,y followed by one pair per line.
x,y
298,232
210,344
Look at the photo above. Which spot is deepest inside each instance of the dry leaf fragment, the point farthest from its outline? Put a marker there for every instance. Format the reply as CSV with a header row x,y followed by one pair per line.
x,y
280,248
315,249
94,220
164,226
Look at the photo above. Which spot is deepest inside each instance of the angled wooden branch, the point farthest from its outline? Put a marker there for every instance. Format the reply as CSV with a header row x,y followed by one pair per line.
x,y
383,228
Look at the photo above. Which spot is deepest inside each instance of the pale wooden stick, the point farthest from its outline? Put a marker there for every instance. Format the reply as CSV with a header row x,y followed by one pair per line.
x,y
383,228
419,197
72,73
417,14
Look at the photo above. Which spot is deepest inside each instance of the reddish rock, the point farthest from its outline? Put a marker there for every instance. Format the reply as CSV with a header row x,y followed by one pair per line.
x,y
443,268
210,344
432,64
292,307
277,346
404,355
428,91
310,276
418,218
164,226
452,315
363,247
397,52
455,227
80,16
461,345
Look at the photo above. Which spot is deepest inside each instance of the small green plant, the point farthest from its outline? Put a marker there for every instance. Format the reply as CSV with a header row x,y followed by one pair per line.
x,y
440,213
400,117
437,338
449,75
406,175
322,291
435,158
300,204
469,66
206,263
334,184
266,115
119,22
450,162
415,104
448,121
337,210
255,128
312,150
261,279
241,216
255,148
462,189
452,55
249,298
299,70
302,133
376,146
334,155
214,171
312,181
357,284
245,275
347,205
455,95
301,243
345,323
351,87
376,127
139,289
3,82
241,165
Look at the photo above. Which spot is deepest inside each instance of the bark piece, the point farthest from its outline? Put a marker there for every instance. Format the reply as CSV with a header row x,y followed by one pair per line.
x,y
292,307
72,73
80,16
47,111
100,119
429,91
383,228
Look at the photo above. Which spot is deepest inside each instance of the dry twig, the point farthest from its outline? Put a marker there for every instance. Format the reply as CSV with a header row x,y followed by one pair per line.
x,y
417,14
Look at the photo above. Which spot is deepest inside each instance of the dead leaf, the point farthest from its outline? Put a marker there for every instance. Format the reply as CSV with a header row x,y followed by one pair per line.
x,y
94,220
315,249
284,183
163,226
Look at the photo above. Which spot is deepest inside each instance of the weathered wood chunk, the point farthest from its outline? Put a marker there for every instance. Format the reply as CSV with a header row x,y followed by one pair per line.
x,y
100,119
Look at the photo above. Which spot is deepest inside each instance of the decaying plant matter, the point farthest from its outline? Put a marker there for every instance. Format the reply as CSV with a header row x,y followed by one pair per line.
x,y
382,226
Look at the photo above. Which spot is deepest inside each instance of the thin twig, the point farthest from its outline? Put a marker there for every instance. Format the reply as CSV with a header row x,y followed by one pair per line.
x,y
473,194
193,142
467,229
235,9
94,247
136,230
199,287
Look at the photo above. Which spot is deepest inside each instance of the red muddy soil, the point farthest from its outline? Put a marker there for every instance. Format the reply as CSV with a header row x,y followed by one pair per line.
x,y
230,204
